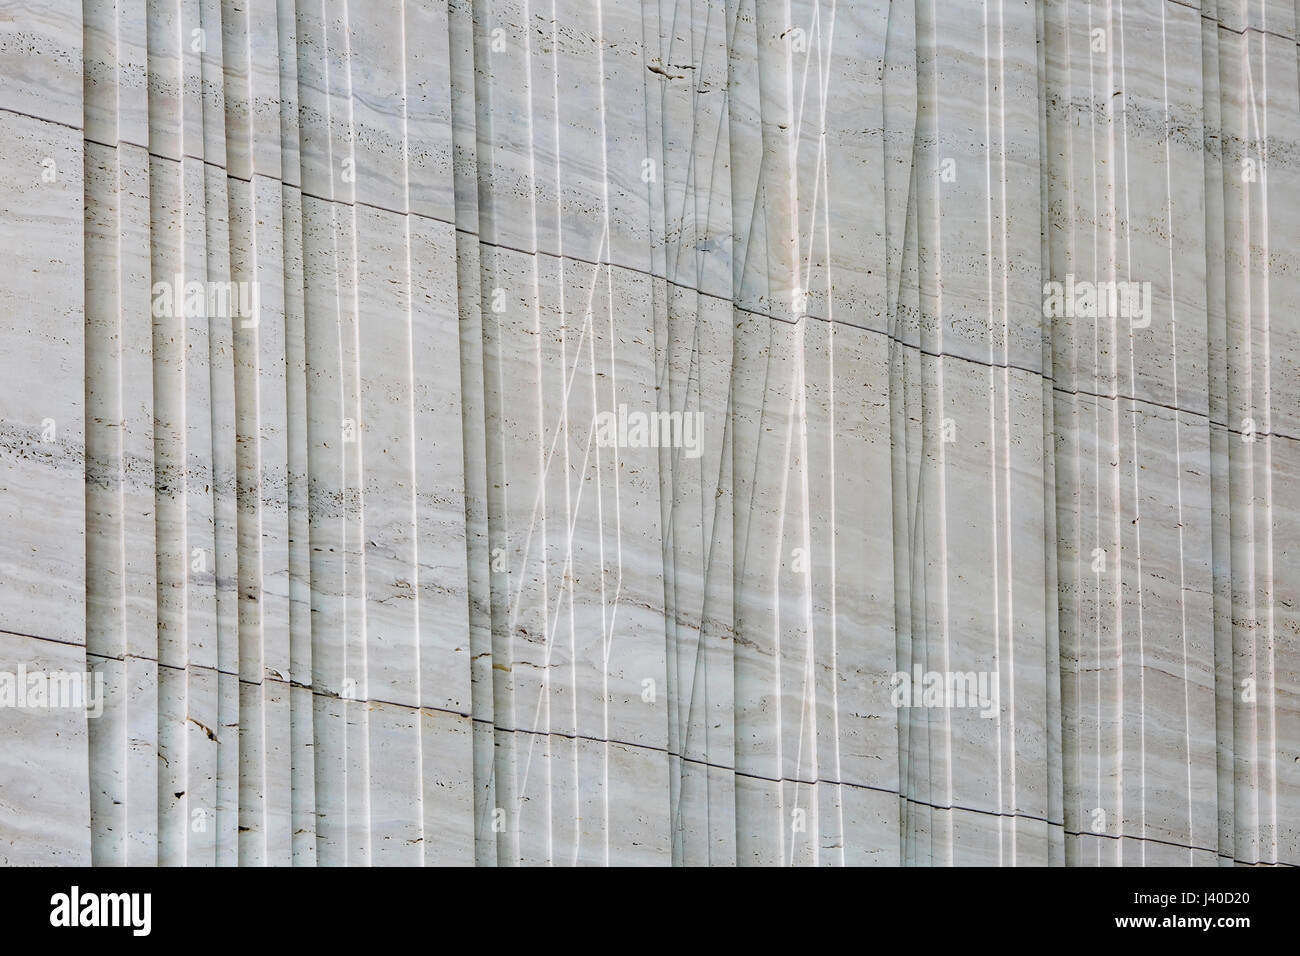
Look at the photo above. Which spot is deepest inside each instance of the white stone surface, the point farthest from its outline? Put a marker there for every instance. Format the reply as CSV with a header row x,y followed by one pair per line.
x,y
361,584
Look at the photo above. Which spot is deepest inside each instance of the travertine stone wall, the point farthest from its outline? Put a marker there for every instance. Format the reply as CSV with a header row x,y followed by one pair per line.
x,y
364,585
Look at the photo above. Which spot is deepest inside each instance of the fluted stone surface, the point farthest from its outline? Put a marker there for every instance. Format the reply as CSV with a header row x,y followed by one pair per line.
x,y
361,578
